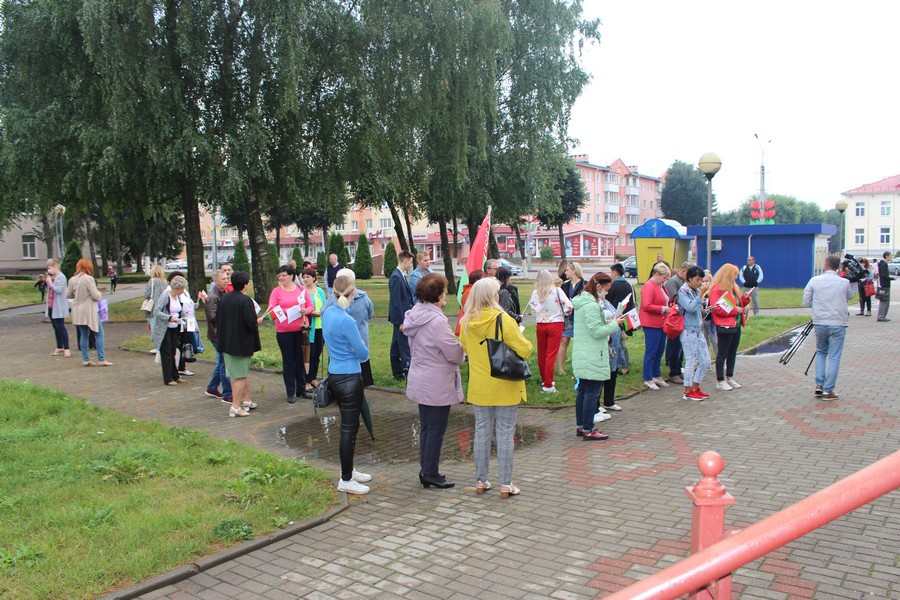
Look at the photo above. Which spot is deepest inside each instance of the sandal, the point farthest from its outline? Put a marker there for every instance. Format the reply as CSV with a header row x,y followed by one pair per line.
x,y
482,486
104,363
509,490
248,405
172,383
89,363
57,352
237,413
67,354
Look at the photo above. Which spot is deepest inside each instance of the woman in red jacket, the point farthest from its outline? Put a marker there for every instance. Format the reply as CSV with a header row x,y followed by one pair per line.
x,y
727,304
654,306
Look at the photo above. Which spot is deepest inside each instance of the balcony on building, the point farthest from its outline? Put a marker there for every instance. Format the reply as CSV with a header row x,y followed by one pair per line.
x,y
632,210
611,187
632,190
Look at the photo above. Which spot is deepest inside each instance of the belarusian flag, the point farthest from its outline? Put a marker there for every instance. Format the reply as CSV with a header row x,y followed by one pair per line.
x,y
632,321
727,303
477,252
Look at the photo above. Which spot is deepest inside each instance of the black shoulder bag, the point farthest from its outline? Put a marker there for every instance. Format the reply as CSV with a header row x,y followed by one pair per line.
x,y
505,363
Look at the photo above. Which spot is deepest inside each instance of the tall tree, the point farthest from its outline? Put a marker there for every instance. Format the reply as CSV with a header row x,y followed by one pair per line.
x,y
572,198
684,195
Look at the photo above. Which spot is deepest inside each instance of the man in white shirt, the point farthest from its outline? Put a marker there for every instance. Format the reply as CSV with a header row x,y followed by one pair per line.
x,y
828,295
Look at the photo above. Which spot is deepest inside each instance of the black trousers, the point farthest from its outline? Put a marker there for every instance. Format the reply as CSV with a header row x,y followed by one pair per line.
x,y
347,391
315,355
674,356
609,389
399,353
293,370
167,354
432,427
865,302
729,338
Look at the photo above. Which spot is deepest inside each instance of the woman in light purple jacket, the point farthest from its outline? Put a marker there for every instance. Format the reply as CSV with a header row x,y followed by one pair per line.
x,y
433,381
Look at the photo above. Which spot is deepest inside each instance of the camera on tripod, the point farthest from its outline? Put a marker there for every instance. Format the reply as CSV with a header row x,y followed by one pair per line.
x,y
853,271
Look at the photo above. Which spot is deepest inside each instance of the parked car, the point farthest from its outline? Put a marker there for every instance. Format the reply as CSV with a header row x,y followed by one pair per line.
x,y
514,269
894,266
176,265
630,266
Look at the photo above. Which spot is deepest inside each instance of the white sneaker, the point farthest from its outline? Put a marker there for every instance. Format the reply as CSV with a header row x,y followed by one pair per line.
x,y
614,407
661,382
361,477
652,385
734,384
548,390
723,386
186,373
603,409
600,417
352,487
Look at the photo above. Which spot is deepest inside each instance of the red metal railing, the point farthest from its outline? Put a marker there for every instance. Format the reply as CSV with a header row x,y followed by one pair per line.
x,y
706,574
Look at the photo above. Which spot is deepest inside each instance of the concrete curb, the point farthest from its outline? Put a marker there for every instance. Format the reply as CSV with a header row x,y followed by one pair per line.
x,y
207,562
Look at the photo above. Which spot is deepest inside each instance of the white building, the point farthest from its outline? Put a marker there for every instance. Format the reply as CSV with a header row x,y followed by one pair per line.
x,y
871,220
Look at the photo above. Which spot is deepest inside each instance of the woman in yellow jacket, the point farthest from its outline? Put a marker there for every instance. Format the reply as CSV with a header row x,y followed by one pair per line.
x,y
495,401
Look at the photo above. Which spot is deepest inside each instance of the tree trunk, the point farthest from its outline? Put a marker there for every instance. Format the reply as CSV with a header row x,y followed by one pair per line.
x,y
519,243
493,249
138,262
104,243
455,238
412,243
193,242
263,279
448,260
49,236
90,238
398,225
117,246
305,244
562,243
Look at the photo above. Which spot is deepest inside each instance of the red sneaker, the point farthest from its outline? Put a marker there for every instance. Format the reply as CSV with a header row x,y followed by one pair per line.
x,y
692,395
703,395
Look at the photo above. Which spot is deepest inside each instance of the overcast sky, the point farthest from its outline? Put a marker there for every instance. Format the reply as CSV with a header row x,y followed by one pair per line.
x,y
672,80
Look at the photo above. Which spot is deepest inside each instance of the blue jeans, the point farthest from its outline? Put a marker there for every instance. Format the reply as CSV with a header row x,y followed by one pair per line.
x,y
829,346
586,403
84,338
654,347
219,376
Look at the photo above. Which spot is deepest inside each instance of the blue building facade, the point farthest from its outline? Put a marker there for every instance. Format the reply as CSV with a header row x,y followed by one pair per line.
x,y
788,254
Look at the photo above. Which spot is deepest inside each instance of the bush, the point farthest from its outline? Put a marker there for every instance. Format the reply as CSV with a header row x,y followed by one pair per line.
x,y
297,257
73,255
337,246
134,278
321,263
274,258
19,277
363,265
390,259
241,262
546,253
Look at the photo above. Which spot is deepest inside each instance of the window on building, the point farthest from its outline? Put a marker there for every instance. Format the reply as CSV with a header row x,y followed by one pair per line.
x,y
354,225
588,217
612,178
599,198
29,246
860,209
382,245
885,237
612,198
387,223
611,218
885,208
859,238
578,218
339,227
368,223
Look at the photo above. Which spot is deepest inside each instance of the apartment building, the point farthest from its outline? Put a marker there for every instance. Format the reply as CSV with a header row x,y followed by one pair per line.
x,y
871,219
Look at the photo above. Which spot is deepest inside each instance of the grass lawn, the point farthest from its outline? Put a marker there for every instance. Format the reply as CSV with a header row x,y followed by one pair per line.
x,y
19,293
92,500
759,329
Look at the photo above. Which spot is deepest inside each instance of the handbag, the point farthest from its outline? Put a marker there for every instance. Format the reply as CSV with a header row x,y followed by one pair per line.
x,y
322,395
869,289
505,363
674,322
147,305
883,293
187,351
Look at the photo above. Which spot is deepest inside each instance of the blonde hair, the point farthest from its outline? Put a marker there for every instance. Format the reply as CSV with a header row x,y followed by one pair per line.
x,y
724,279
707,276
482,295
578,270
543,284
344,287
661,269
422,254
157,272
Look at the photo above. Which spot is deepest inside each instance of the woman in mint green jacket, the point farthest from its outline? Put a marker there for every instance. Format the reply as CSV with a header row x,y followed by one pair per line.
x,y
590,356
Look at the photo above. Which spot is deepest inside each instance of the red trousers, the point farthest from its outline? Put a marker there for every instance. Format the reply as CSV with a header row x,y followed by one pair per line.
x,y
549,336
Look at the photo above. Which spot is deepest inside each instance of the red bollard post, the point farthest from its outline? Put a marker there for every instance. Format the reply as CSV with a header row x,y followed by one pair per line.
x,y
710,499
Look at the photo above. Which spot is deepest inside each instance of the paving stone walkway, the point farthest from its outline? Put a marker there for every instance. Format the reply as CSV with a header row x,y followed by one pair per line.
x,y
592,517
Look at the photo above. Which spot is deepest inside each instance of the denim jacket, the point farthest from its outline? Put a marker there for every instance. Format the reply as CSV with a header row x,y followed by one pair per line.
x,y
691,306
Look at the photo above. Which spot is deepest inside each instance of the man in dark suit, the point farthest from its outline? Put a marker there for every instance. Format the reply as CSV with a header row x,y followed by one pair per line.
x,y
400,302
884,281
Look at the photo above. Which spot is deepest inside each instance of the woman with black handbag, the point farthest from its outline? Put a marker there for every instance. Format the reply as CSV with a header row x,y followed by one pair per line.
x,y
495,401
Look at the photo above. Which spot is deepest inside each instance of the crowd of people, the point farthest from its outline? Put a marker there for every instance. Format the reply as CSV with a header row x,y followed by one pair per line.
x,y
682,312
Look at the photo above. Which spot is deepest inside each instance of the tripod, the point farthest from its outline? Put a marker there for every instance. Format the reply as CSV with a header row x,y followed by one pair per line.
x,y
789,353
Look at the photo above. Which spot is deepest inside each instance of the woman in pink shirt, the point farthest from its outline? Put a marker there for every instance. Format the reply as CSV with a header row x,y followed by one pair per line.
x,y
654,306
288,306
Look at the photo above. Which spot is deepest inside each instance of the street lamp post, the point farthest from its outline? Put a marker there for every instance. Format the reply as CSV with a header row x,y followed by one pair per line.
x,y
709,164
841,206
762,176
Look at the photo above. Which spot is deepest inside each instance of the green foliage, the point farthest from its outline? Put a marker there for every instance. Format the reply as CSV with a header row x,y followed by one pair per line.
x,y
546,253
571,198
297,257
241,262
233,530
23,556
337,246
363,265
684,195
274,259
134,278
219,457
321,263
390,259
73,255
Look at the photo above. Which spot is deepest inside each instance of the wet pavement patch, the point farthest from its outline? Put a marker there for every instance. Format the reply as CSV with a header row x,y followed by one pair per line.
x,y
396,437
777,344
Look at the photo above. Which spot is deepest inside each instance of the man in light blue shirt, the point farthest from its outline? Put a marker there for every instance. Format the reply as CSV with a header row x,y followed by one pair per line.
x,y
423,259
828,295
